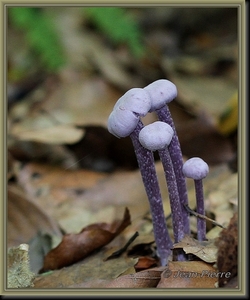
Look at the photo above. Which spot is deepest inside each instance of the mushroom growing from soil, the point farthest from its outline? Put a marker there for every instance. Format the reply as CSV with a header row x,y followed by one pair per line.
x,y
197,169
124,121
162,92
158,136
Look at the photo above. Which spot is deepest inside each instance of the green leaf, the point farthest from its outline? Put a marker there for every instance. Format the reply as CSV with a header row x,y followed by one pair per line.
x,y
118,24
40,34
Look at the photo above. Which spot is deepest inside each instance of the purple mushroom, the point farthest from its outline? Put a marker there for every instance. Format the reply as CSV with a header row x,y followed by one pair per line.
x,y
197,169
161,92
124,121
158,136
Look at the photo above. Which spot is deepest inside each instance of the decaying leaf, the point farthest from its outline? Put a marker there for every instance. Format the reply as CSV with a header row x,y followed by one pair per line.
x,y
88,273
189,274
19,274
57,134
146,262
205,250
26,219
144,279
75,247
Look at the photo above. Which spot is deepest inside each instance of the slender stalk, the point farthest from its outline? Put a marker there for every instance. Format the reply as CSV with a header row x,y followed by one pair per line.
x,y
177,216
145,160
175,204
177,159
200,208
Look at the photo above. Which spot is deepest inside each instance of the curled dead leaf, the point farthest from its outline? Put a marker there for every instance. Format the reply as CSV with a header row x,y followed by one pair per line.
x,y
75,247
205,250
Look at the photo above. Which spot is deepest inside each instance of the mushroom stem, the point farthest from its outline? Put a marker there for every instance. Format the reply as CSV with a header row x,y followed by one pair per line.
x,y
145,160
162,92
177,216
200,208
158,136
164,115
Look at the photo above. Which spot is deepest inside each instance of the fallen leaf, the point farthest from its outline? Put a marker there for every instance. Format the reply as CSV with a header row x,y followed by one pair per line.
x,y
189,274
143,279
205,250
57,134
89,272
146,262
75,247
26,219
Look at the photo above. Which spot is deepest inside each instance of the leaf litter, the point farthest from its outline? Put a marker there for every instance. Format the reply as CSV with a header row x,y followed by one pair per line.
x,y
74,198
75,247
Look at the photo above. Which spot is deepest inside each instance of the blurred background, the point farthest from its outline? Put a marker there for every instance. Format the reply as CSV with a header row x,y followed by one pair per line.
x,y
67,66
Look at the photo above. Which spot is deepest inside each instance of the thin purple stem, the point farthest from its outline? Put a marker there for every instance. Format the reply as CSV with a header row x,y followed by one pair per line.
x,y
200,208
175,204
145,160
164,115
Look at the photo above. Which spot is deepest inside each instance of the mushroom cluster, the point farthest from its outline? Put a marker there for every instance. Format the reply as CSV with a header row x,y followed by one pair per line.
x,y
125,120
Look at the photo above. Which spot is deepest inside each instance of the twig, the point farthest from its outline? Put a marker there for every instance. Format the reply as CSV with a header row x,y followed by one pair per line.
x,y
124,248
202,216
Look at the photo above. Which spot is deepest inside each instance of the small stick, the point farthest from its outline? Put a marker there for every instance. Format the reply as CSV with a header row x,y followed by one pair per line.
x,y
124,248
202,216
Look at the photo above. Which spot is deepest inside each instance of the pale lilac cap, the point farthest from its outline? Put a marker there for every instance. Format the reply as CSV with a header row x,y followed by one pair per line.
x,y
122,122
161,92
156,136
195,168
136,100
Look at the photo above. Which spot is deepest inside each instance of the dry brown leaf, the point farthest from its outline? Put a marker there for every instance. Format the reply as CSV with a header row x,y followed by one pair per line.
x,y
205,250
145,262
40,175
189,274
80,100
56,134
55,184
208,94
75,247
144,279
222,193
26,219
90,272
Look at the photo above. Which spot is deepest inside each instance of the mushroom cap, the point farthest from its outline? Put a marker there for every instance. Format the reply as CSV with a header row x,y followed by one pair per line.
x,y
122,122
156,136
161,92
136,100
195,168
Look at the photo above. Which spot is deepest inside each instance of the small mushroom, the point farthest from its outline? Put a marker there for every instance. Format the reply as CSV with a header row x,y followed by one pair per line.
x,y
123,121
158,136
162,92
197,169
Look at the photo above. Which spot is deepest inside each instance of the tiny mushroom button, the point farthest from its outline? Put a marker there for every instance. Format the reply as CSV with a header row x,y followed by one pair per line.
x,y
156,136
197,169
